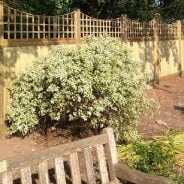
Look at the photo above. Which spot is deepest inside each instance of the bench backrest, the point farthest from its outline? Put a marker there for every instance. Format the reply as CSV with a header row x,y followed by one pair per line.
x,y
89,160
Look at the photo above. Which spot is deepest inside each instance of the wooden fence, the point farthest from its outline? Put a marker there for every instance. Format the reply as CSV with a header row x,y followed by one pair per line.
x,y
25,37
19,25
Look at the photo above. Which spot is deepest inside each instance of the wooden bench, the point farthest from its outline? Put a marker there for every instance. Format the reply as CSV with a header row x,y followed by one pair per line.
x,y
92,160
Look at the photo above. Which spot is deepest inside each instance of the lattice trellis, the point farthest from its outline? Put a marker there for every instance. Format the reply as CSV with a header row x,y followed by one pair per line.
x,y
139,29
182,29
167,30
76,25
98,27
21,25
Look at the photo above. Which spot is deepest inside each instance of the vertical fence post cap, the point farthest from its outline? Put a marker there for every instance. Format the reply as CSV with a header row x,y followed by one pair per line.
x,y
124,16
157,16
178,21
77,10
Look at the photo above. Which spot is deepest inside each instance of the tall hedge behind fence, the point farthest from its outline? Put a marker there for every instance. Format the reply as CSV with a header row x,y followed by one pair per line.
x,y
76,25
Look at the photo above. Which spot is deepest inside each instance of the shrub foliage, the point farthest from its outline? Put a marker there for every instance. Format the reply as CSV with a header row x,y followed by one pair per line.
x,y
97,85
154,157
162,156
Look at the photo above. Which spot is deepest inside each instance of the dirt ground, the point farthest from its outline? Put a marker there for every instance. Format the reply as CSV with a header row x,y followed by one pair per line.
x,y
169,94
170,115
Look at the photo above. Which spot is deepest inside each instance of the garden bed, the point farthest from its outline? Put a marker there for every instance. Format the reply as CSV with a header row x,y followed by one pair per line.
x,y
169,93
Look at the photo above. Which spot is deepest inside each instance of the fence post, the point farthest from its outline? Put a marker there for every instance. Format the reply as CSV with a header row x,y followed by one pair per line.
x,y
124,28
180,47
156,63
77,23
2,88
1,22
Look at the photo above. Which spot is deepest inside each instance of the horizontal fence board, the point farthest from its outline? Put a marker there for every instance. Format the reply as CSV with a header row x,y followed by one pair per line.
x,y
37,42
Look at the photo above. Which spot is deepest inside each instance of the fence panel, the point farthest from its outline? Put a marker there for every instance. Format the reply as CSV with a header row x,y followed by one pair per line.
x,y
99,27
21,25
167,30
182,29
137,29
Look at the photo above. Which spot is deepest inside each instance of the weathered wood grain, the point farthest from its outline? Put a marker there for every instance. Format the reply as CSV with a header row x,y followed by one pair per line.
x,y
60,172
53,152
110,149
102,164
7,178
89,166
43,173
26,175
42,158
75,170
125,173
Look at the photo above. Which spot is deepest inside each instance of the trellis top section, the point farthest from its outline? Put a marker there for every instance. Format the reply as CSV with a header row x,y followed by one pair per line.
x,y
17,25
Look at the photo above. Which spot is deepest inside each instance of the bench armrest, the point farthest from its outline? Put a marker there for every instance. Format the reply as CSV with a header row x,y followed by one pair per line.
x,y
125,173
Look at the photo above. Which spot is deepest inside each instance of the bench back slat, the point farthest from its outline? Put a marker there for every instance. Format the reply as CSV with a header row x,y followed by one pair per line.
x,y
111,144
53,152
102,164
110,149
26,175
89,166
60,172
7,178
75,170
43,173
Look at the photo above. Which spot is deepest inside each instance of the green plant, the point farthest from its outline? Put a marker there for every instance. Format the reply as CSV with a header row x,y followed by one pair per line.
x,y
178,179
97,85
155,157
163,156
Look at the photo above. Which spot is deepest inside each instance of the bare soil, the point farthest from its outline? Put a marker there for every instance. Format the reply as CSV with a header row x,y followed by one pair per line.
x,y
170,115
169,94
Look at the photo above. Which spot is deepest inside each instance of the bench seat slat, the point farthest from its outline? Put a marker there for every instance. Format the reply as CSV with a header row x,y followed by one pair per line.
x,y
7,178
43,173
26,175
102,164
89,166
75,170
60,172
